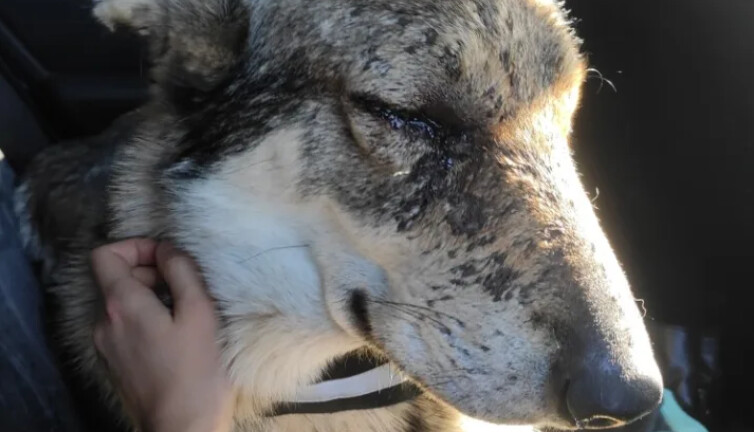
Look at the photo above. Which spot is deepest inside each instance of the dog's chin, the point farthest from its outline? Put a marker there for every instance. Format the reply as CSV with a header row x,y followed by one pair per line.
x,y
460,396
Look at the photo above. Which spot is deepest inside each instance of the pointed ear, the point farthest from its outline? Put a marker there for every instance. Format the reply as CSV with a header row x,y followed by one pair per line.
x,y
193,44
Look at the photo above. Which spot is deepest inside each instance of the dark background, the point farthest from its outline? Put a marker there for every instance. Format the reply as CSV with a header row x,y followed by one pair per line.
x,y
672,153
670,147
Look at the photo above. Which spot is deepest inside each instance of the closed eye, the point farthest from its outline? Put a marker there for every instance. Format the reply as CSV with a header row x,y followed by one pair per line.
x,y
413,124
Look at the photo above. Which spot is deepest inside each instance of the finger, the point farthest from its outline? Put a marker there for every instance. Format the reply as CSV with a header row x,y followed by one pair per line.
x,y
184,280
148,276
132,303
114,261
100,337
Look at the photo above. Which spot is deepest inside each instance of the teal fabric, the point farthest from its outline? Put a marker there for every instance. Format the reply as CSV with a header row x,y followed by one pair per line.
x,y
675,418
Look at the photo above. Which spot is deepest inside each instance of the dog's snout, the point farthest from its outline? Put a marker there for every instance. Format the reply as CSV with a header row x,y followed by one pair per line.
x,y
604,393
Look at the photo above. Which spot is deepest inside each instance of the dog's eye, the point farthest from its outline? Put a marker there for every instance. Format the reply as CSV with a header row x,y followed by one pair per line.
x,y
412,124
415,127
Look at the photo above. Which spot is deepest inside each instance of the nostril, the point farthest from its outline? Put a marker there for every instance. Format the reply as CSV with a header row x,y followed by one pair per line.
x,y
598,398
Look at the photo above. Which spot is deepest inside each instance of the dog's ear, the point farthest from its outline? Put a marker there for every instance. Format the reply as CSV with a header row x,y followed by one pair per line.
x,y
193,44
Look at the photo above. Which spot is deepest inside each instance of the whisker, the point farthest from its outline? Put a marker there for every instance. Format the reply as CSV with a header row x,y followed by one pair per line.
x,y
412,313
424,308
272,250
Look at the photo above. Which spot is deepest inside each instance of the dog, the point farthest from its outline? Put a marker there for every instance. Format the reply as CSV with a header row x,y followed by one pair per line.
x,y
382,200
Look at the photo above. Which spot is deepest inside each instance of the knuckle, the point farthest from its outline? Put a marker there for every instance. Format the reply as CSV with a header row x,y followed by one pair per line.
x,y
100,336
113,307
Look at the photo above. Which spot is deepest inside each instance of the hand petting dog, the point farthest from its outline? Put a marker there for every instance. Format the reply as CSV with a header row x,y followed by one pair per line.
x,y
167,366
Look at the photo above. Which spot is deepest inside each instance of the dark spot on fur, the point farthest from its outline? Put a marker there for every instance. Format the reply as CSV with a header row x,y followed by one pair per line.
x,y
488,13
452,63
513,80
357,11
403,21
443,298
481,242
498,333
484,348
524,294
452,253
437,287
536,319
430,36
465,270
498,102
553,233
411,49
513,378
505,59
467,216
501,280
508,295
498,258
465,352
415,422
378,65
459,282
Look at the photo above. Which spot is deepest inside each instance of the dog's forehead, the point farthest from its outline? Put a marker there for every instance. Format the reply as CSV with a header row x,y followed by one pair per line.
x,y
481,57
470,48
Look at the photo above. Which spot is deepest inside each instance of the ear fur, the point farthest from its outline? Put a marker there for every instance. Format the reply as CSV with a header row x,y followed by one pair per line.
x,y
193,44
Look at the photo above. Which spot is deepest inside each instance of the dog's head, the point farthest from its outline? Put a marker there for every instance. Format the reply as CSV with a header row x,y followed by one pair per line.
x,y
419,149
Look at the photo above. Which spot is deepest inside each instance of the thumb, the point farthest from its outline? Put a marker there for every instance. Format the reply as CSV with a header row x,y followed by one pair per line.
x,y
185,282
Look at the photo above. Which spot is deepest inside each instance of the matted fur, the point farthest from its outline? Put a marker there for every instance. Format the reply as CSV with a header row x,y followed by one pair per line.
x,y
394,174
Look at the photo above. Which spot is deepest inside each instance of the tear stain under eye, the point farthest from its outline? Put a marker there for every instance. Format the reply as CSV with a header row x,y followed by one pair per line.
x,y
430,175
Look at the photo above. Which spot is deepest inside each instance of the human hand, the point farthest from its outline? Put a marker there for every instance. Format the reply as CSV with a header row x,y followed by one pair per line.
x,y
167,367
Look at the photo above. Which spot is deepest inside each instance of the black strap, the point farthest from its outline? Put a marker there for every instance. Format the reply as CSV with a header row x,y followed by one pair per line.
x,y
351,364
391,396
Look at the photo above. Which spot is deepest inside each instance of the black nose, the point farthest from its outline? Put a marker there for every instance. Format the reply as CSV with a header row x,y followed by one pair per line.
x,y
604,394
